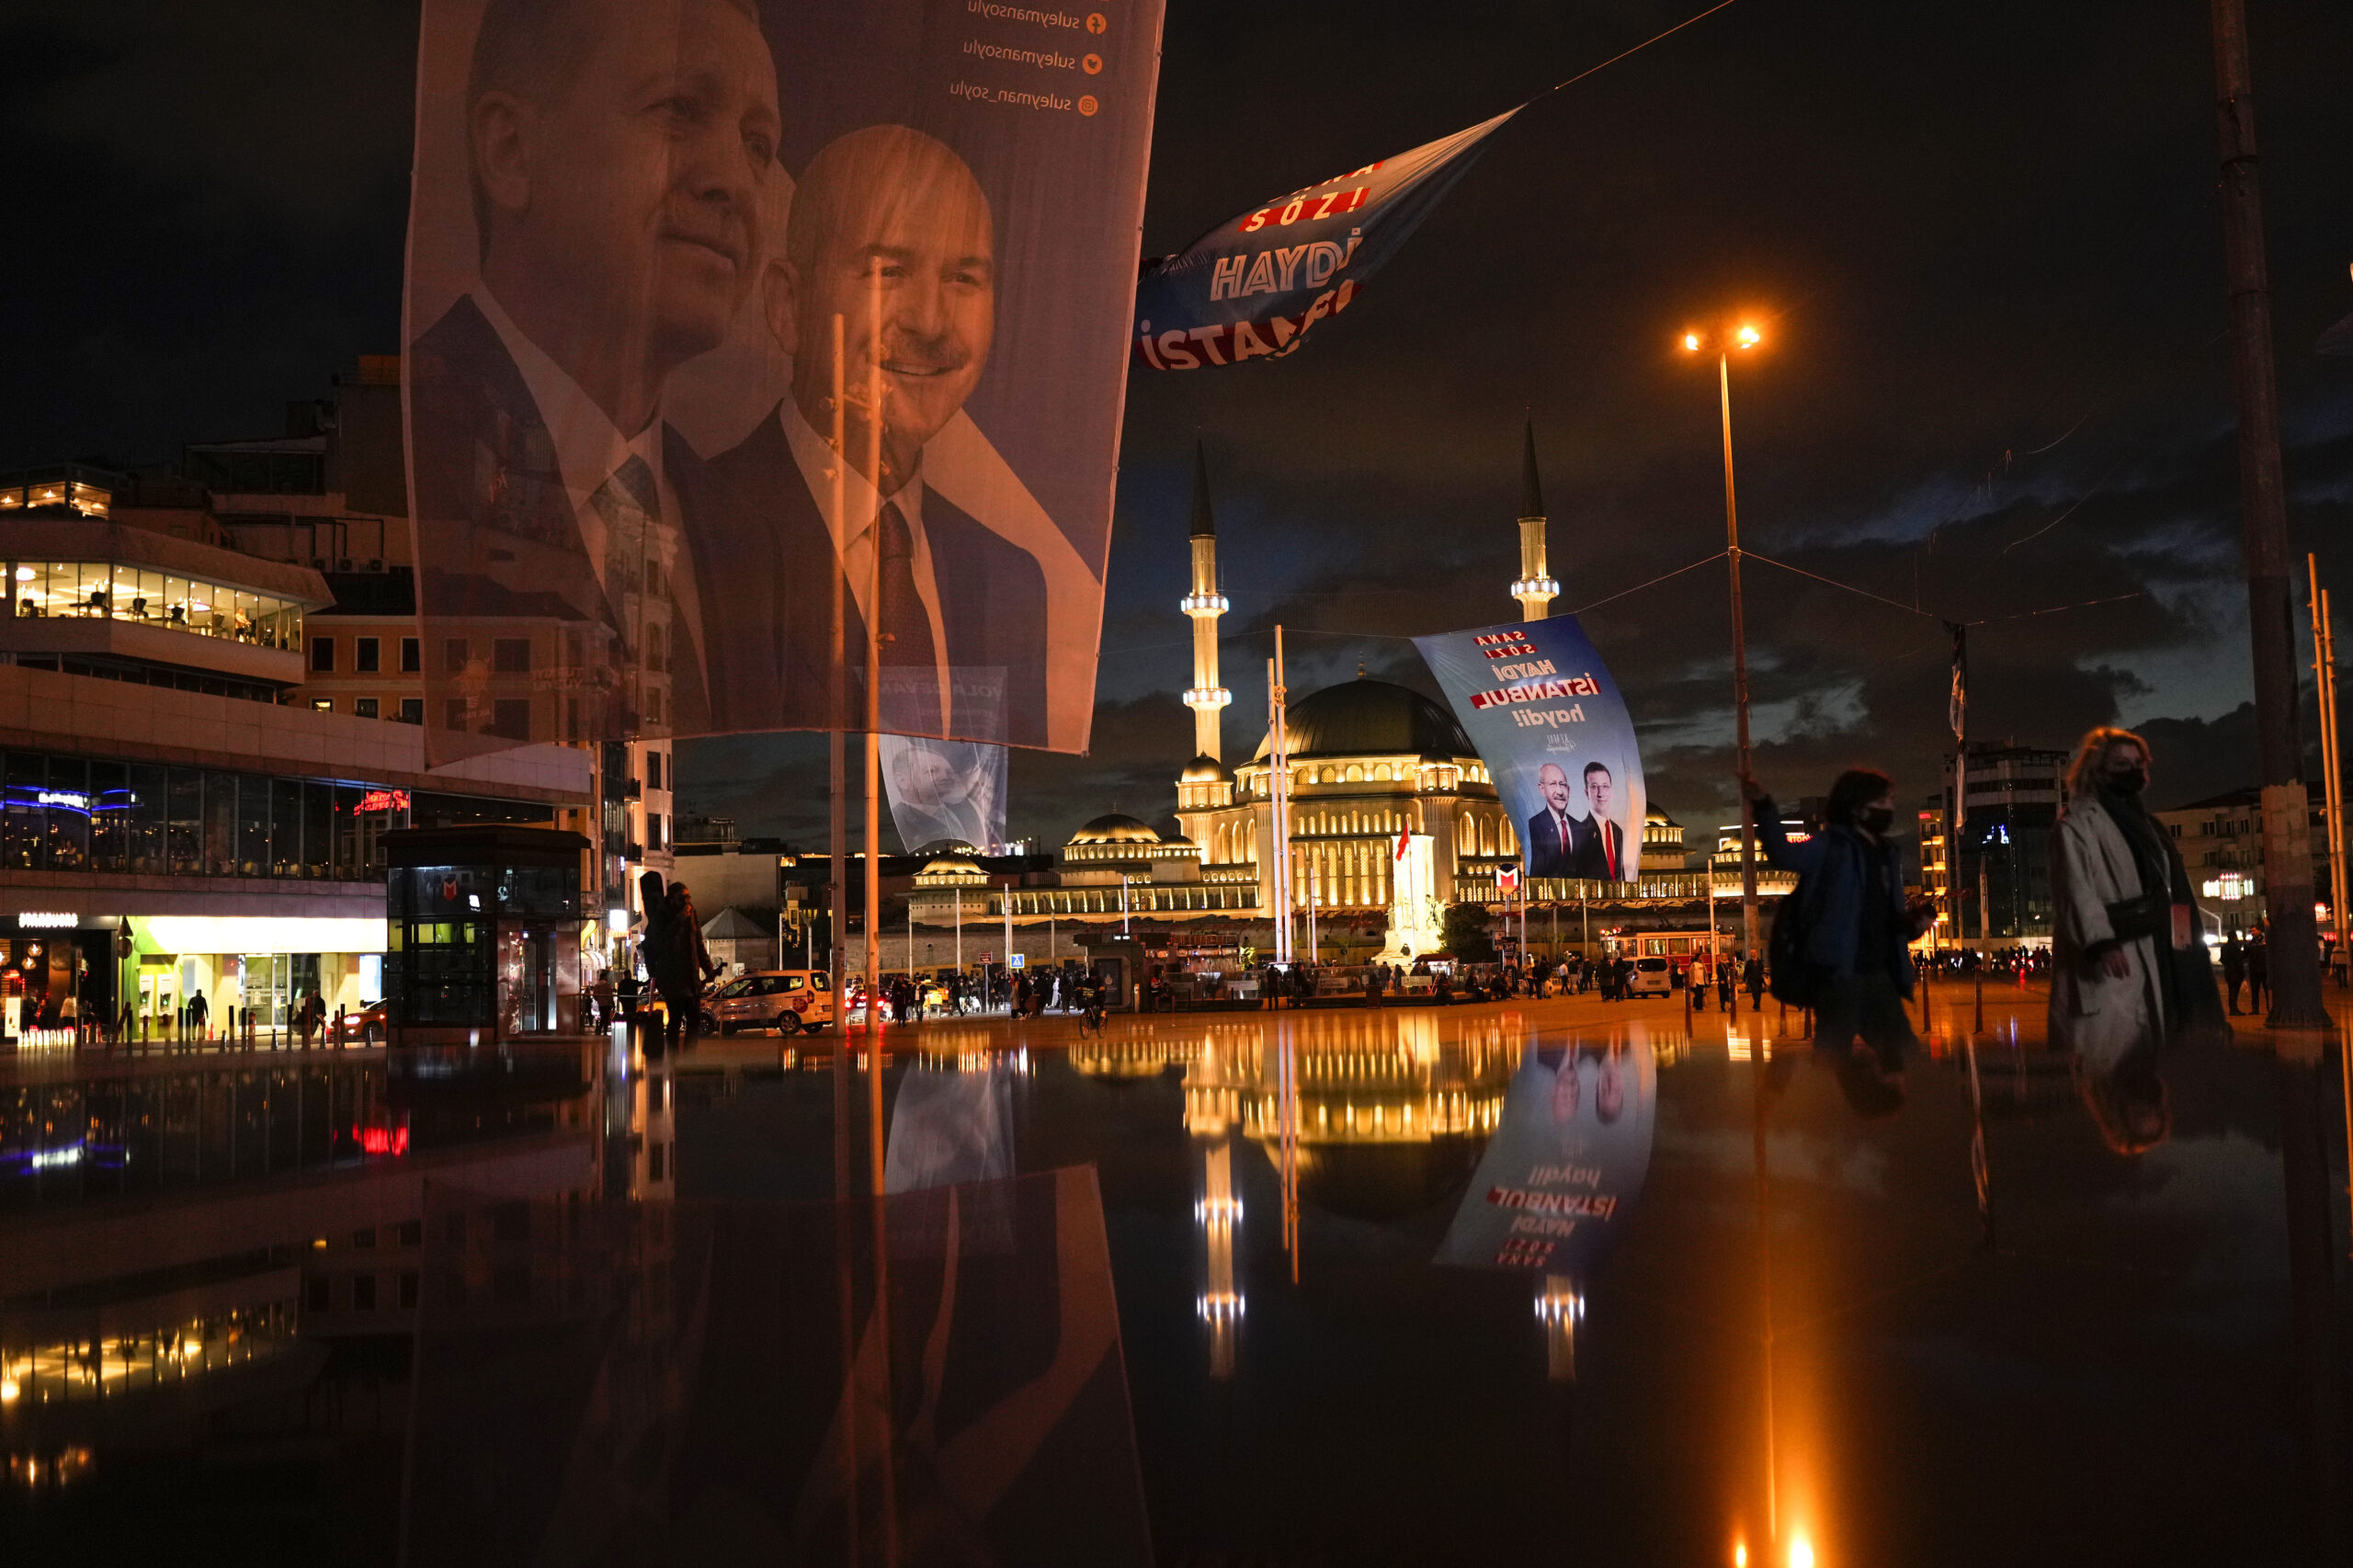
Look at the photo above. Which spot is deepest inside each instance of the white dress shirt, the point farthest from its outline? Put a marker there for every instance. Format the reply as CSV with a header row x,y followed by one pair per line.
x,y
589,449
853,533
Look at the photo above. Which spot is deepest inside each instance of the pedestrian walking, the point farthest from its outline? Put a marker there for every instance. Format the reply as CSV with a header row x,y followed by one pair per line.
x,y
2128,970
2233,970
1843,934
2259,971
1376,981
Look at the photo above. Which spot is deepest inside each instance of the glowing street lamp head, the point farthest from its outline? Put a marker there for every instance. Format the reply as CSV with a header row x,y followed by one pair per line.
x,y
1692,342
1749,338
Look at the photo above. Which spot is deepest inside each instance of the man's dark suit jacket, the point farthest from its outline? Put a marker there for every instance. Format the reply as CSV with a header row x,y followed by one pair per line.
x,y
1592,860
498,540
1546,855
765,557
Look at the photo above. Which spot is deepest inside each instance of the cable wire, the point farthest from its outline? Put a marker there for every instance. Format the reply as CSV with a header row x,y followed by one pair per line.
x,y
1636,49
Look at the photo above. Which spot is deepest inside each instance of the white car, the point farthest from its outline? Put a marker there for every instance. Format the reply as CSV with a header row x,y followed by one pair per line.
x,y
1651,977
788,1001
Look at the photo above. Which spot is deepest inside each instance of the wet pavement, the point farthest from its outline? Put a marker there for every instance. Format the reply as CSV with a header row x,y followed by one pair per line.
x,y
1560,1281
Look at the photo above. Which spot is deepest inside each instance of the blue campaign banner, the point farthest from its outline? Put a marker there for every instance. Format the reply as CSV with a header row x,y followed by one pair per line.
x,y
1540,706
1251,288
1559,1179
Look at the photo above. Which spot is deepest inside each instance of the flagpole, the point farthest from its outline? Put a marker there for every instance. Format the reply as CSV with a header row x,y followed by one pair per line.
x,y
1958,715
1280,795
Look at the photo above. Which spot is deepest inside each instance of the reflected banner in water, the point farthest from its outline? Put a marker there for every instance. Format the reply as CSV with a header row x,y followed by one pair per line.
x,y
675,1382
1567,1162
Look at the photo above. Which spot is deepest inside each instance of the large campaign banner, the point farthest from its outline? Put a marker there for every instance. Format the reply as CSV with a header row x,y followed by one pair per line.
x,y
1557,1181
1252,287
648,240
1540,706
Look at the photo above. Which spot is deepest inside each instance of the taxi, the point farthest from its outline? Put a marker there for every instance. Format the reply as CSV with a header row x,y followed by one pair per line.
x,y
790,1000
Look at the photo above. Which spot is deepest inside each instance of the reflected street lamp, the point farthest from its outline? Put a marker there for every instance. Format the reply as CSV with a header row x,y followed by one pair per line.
x,y
1738,337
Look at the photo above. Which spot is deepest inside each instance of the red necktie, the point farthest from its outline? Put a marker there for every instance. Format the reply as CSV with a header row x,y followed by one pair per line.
x,y
1609,850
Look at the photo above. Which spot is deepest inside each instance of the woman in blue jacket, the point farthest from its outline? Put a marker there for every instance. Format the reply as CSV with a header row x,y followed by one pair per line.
x,y
1855,925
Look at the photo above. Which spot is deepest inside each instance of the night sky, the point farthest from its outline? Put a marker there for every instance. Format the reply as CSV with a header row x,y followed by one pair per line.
x,y
1982,239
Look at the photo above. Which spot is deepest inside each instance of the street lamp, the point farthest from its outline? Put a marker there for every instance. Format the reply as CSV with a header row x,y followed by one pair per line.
x,y
1738,337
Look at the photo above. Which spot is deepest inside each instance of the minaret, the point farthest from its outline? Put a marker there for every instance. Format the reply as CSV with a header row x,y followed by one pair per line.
x,y
1205,603
1535,589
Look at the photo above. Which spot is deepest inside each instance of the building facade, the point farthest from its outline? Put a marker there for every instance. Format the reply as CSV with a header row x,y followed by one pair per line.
x,y
2221,840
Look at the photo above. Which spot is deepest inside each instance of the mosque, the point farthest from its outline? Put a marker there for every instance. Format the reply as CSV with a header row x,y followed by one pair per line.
x,y
1372,763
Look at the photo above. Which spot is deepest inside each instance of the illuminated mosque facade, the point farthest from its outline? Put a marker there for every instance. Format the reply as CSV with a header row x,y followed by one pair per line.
x,y
1372,763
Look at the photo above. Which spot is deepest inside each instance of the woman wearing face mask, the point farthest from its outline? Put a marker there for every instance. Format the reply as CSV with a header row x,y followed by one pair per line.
x,y
2130,970
1852,923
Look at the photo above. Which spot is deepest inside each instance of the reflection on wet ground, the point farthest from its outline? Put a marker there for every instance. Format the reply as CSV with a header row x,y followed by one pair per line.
x,y
1544,1282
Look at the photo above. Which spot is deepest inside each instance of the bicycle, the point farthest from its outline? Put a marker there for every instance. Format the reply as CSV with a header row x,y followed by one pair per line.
x,y
1091,1021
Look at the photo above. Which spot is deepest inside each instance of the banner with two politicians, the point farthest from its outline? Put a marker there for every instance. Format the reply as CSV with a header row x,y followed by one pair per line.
x,y
1537,701
646,244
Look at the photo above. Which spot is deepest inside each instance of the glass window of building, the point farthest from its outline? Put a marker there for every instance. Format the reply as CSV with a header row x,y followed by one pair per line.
x,y
364,707
124,592
109,816
220,791
322,654
411,656
23,824
186,825
251,817
66,801
365,657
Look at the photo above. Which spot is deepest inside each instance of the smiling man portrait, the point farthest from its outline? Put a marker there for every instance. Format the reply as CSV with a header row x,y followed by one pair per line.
x,y
617,153
961,608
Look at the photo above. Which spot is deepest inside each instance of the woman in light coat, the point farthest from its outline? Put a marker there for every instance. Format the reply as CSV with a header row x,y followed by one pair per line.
x,y
2128,965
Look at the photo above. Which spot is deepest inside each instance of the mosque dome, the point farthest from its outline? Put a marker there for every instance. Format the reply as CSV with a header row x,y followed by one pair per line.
x,y
1202,769
1369,718
1112,827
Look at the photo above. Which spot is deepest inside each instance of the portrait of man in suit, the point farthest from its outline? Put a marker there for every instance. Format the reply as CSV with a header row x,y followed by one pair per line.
x,y
616,151
1601,843
945,789
1551,833
960,606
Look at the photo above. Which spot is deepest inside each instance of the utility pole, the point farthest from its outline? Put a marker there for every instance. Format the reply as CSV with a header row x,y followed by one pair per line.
x,y
2331,776
2263,502
1739,671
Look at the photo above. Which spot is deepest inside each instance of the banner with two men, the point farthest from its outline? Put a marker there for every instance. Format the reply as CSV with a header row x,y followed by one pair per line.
x,y
635,225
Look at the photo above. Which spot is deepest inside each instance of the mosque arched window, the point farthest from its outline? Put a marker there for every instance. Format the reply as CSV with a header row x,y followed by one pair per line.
x,y
1355,772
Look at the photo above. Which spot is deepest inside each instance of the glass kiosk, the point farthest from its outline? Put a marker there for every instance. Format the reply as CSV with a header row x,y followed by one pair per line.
x,y
483,932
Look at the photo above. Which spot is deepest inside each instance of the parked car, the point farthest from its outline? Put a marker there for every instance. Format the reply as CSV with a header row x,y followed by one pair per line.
x,y
790,1000
1651,977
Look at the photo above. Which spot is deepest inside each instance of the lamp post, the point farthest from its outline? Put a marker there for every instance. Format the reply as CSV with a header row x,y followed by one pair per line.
x,y
1728,341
